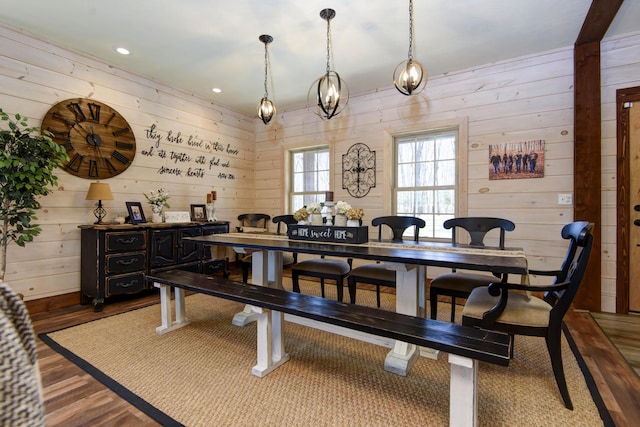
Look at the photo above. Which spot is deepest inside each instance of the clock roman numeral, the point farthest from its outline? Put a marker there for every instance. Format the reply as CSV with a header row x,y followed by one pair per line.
x,y
113,116
119,157
120,131
112,169
124,145
75,163
56,115
62,134
77,110
68,146
94,112
93,168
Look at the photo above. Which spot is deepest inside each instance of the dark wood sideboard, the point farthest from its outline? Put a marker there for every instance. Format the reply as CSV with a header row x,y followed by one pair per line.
x,y
116,259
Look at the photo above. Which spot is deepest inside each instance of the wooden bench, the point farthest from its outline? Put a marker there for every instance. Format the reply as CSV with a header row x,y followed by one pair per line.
x,y
465,346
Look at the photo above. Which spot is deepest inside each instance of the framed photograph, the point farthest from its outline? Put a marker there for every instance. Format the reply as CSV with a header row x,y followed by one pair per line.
x,y
136,214
517,160
198,213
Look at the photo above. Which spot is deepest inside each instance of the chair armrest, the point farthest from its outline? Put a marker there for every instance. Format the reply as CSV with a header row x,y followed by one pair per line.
x,y
545,272
501,289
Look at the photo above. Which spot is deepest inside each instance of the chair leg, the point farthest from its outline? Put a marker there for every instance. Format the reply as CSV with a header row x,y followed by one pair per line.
x,y
378,295
245,272
295,281
433,300
322,287
352,289
453,309
340,285
553,339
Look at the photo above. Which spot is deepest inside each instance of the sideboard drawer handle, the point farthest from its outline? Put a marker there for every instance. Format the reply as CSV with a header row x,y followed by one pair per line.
x,y
128,241
128,285
126,262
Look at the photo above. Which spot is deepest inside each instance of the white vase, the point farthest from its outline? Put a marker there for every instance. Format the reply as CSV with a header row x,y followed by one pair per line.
x,y
353,223
316,219
340,220
302,222
156,216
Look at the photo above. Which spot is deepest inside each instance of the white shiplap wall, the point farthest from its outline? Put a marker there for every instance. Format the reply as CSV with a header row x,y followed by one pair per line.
x,y
523,99
34,76
517,100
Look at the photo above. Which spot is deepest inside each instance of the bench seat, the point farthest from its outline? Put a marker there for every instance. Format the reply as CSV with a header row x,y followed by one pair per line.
x,y
465,346
451,338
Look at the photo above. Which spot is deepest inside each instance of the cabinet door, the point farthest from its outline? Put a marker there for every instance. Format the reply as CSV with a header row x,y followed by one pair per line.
x,y
163,246
189,250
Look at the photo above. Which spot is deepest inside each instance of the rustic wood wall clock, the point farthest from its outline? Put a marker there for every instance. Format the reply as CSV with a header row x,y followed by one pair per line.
x,y
99,141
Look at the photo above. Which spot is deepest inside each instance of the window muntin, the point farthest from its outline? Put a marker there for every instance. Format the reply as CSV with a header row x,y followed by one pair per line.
x,y
310,173
425,179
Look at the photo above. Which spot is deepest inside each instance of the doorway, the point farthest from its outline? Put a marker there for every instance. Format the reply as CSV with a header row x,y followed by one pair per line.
x,y
628,206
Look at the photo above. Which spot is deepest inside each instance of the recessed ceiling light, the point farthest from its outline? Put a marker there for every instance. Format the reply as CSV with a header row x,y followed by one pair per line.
x,y
216,90
121,50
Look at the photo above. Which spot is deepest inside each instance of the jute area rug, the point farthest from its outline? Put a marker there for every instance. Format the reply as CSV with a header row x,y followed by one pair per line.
x,y
200,375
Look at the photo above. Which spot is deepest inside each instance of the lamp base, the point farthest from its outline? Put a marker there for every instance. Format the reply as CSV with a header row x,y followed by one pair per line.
x,y
99,212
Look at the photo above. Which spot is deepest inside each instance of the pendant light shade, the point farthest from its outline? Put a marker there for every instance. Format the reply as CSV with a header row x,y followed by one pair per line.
x,y
409,76
329,94
266,108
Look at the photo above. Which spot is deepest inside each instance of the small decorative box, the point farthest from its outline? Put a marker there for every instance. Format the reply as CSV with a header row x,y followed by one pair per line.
x,y
324,233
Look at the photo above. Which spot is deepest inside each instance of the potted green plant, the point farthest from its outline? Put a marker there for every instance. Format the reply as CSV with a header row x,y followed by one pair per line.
x,y
27,161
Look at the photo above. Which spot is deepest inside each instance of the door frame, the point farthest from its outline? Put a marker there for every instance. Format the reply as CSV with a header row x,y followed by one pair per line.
x,y
623,196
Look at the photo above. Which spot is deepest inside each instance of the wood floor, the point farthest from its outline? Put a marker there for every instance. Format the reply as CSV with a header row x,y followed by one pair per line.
x,y
73,398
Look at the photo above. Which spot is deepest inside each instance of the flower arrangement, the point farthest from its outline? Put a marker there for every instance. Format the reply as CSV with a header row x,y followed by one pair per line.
x,y
301,214
158,200
355,213
314,207
342,207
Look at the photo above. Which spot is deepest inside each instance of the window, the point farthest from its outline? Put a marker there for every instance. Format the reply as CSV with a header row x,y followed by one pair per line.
x,y
425,179
309,176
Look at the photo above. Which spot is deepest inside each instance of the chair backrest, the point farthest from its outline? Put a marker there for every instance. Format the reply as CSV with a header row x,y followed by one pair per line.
x,y
256,220
398,225
478,227
573,267
283,219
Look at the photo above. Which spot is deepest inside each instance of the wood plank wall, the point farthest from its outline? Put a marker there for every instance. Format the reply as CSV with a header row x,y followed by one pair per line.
x,y
516,100
523,99
35,75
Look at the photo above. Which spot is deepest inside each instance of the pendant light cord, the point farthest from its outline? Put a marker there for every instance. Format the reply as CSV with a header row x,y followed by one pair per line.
x,y
410,30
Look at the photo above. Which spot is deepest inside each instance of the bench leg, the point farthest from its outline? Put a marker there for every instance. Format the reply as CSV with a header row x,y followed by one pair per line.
x,y
270,341
168,324
463,400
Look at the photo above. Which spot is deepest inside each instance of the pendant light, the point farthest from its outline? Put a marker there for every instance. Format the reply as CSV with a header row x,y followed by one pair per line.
x,y
328,95
266,109
409,76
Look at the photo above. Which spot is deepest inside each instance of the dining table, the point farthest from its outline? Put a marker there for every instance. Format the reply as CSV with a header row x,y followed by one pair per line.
x,y
408,259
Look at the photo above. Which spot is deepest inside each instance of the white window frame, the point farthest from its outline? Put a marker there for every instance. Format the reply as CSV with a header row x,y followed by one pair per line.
x,y
461,126
319,194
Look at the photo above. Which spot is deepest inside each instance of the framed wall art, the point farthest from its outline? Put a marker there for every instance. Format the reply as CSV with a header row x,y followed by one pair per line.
x,y
359,170
516,160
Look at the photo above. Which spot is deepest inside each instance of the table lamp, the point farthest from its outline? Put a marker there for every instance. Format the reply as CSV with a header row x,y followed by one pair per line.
x,y
99,191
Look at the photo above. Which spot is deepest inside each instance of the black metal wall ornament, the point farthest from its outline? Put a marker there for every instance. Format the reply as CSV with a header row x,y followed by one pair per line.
x,y
359,170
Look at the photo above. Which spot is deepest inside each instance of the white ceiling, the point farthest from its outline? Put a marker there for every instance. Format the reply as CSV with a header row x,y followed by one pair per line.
x,y
195,45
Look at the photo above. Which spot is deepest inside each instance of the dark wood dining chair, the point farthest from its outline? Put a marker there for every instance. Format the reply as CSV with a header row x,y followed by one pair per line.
x,y
460,284
288,259
504,307
377,274
323,269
